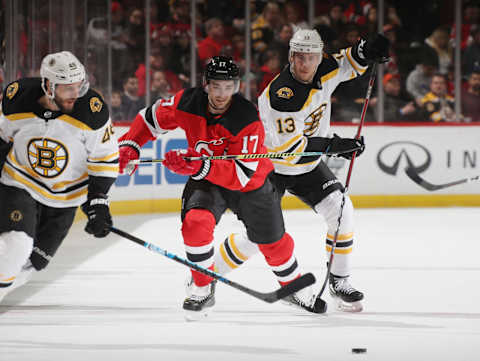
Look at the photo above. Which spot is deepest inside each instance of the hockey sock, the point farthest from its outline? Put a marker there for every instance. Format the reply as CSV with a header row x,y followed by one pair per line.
x,y
197,231
281,258
233,252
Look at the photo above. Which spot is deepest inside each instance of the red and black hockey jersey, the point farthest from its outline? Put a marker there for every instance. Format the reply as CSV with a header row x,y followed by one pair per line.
x,y
237,131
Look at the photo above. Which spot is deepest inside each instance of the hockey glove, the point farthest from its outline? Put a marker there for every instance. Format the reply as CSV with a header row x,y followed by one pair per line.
x,y
375,49
342,145
176,162
98,213
128,151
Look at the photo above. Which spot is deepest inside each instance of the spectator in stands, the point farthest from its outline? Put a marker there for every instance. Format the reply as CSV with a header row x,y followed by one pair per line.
x,y
135,36
437,105
295,14
471,55
160,88
336,21
349,36
157,62
281,43
270,68
116,112
395,107
215,43
181,55
131,102
439,42
471,97
265,27
470,22
418,81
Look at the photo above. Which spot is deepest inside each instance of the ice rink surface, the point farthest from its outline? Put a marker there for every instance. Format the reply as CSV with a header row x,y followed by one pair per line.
x,y
110,299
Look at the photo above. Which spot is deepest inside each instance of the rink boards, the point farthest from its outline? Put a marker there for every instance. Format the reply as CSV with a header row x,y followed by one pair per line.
x,y
440,154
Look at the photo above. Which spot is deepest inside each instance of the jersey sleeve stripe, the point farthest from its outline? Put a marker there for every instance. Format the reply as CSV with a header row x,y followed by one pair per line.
x,y
358,68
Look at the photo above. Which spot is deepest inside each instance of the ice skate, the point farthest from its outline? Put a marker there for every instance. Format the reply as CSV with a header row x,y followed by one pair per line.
x,y
306,300
346,297
199,300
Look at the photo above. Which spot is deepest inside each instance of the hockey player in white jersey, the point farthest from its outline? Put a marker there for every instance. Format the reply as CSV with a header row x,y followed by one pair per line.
x,y
57,151
295,110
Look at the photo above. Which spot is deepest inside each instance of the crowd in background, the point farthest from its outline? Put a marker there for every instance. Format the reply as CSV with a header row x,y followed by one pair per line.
x,y
418,80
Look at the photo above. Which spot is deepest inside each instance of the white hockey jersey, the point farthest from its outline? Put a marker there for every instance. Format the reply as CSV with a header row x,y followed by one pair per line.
x,y
53,153
292,111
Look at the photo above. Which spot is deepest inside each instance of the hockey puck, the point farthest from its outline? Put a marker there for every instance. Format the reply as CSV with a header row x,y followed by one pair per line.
x,y
359,350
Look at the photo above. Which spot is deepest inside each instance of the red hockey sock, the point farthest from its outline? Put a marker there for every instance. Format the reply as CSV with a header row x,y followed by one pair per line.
x,y
197,230
280,256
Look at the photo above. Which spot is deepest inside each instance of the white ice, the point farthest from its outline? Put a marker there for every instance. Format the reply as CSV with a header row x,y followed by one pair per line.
x,y
111,299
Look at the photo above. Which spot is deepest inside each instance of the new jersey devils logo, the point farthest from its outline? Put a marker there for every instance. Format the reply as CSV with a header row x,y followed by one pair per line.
x,y
208,147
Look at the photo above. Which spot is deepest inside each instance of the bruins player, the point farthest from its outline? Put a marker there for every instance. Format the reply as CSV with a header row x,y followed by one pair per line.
x,y
57,151
295,110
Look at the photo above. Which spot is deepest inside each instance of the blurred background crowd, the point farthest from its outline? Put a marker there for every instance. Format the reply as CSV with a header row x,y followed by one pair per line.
x,y
136,51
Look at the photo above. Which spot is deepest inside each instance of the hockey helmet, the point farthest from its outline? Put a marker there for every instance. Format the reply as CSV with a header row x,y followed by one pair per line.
x,y
62,68
222,68
306,41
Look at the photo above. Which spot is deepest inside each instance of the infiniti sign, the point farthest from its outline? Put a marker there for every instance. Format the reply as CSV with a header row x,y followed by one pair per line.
x,y
415,155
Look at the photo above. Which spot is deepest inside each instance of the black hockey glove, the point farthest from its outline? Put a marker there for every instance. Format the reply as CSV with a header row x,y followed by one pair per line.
x,y
342,145
98,213
375,49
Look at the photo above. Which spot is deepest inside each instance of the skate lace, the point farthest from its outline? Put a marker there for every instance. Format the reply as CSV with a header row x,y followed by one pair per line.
x,y
342,285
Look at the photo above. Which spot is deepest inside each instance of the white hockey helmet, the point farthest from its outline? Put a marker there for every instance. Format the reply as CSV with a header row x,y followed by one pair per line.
x,y
62,68
306,41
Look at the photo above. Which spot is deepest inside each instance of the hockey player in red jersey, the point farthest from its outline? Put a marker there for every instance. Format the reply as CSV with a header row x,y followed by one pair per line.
x,y
57,152
217,121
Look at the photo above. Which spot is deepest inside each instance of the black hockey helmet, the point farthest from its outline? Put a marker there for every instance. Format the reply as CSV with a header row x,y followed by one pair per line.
x,y
222,68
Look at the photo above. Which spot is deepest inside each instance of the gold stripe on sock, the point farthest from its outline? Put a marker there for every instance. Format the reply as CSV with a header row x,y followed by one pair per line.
x,y
235,249
225,257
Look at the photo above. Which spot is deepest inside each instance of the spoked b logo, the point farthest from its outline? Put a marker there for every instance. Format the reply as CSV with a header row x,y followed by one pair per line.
x,y
415,155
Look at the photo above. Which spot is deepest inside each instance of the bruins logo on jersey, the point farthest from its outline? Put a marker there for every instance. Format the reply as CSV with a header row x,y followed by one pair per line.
x,y
430,107
313,120
95,105
47,157
285,93
12,90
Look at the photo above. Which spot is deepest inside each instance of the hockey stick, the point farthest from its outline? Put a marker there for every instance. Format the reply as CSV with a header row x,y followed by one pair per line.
x,y
270,297
414,176
349,174
249,156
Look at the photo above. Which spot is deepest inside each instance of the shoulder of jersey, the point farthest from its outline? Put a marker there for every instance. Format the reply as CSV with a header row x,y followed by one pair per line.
x,y
242,112
193,101
20,95
288,95
91,110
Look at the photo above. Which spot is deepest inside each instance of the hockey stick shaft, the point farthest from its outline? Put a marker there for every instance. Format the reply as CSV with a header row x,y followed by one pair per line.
x,y
414,176
249,156
371,82
270,297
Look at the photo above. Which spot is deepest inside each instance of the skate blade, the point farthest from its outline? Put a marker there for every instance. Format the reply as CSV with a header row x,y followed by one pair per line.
x,y
352,307
194,316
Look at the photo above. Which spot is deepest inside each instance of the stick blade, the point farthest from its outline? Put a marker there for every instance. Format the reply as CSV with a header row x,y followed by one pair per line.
x,y
296,285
